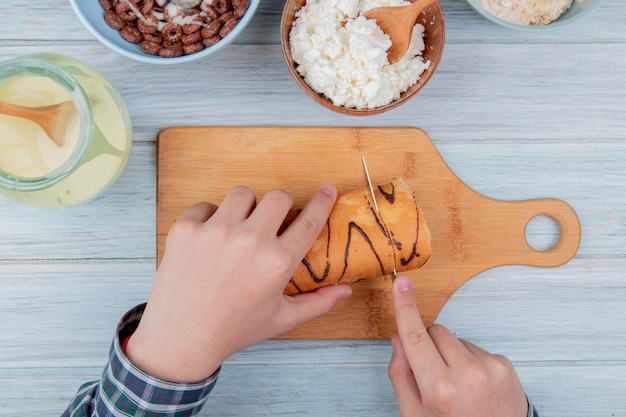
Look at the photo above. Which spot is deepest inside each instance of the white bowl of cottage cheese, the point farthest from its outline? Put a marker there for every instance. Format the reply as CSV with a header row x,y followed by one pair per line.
x,y
534,15
339,57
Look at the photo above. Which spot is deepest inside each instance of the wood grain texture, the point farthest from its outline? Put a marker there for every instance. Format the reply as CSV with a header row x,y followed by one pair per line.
x,y
471,233
515,115
295,389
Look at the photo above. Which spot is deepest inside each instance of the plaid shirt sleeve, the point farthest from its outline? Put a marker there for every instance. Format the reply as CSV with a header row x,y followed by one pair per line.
x,y
125,390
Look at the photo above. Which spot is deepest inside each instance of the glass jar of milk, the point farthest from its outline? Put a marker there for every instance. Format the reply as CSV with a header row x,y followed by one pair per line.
x,y
93,133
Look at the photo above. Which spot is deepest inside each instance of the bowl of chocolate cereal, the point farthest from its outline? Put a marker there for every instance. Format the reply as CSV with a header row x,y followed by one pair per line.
x,y
339,57
535,16
165,31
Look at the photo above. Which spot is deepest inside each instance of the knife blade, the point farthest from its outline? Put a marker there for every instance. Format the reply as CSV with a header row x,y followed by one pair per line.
x,y
368,180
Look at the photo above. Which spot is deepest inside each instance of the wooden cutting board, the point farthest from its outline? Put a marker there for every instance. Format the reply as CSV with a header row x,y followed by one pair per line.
x,y
470,232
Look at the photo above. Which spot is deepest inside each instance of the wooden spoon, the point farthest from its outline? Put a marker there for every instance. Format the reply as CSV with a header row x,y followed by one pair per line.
x,y
398,22
52,119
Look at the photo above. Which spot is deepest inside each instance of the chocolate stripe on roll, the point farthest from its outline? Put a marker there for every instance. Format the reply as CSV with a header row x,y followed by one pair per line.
x,y
358,243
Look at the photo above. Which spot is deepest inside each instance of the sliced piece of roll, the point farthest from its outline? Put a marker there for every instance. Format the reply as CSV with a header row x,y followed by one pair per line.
x,y
359,243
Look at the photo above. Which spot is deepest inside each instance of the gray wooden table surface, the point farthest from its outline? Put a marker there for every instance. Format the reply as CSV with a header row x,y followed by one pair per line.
x,y
516,115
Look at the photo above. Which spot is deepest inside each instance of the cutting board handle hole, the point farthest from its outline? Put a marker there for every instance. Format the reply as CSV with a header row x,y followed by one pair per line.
x,y
542,233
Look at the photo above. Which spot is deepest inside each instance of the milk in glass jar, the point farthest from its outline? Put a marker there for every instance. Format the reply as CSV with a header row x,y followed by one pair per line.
x,y
65,132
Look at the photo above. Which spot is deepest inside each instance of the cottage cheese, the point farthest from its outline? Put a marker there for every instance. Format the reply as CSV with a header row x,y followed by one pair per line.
x,y
343,55
526,12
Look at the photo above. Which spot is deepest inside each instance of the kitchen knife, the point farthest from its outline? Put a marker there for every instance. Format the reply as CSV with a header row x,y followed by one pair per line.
x,y
368,180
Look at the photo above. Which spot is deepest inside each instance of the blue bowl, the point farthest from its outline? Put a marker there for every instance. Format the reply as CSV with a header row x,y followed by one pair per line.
x,y
576,12
92,15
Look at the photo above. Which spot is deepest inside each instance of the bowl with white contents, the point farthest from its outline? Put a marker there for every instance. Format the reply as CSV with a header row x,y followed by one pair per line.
x,y
532,15
339,57
165,31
